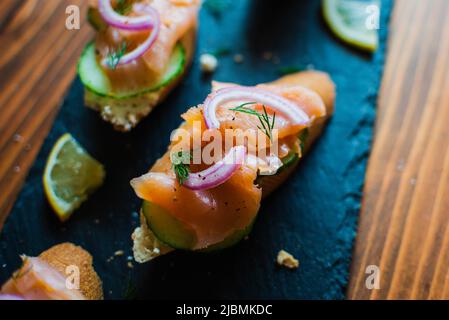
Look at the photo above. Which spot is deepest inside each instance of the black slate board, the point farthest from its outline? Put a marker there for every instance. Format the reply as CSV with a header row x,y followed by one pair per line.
x,y
313,215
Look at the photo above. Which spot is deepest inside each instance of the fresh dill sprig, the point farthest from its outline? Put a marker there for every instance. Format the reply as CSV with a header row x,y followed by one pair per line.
x,y
267,122
124,6
114,56
180,164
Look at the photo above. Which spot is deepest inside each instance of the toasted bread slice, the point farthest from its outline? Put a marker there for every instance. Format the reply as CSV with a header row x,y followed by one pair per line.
x,y
45,277
66,254
147,247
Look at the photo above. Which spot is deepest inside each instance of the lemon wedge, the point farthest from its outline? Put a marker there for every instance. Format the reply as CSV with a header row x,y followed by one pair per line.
x,y
70,176
354,21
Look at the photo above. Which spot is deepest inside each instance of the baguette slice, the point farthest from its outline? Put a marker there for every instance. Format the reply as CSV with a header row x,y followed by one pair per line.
x,y
125,114
147,247
29,281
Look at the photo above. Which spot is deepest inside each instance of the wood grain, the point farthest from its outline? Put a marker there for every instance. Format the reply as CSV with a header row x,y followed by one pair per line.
x,y
403,224
37,62
404,219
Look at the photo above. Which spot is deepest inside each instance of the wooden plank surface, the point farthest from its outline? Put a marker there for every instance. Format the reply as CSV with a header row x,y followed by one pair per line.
x,y
37,63
404,221
403,225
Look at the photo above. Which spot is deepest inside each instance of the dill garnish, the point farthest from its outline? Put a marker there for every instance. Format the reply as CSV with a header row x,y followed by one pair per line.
x,y
124,6
267,124
114,56
180,164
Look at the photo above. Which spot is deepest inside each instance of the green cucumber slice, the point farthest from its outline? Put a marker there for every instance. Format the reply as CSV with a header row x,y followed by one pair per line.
x,y
289,160
303,136
174,233
94,78
231,240
167,228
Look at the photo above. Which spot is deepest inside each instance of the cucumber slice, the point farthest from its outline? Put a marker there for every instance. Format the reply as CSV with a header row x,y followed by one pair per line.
x,y
289,160
292,157
174,233
231,240
303,136
95,80
167,228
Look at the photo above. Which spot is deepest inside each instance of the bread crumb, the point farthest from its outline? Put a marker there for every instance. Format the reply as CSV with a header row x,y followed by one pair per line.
x,y
285,259
130,265
119,253
239,58
208,62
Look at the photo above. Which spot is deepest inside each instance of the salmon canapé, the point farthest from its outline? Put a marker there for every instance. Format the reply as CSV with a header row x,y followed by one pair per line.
x,y
221,209
141,50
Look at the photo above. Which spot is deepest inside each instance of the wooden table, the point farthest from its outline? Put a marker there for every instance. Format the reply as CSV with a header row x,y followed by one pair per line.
x,y
405,217
403,225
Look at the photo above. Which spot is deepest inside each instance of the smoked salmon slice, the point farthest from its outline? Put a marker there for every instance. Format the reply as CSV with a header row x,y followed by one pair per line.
x,y
36,280
178,17
63,272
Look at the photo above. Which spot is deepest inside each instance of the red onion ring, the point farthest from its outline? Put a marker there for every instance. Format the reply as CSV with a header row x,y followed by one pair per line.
x,y
268,98
123,22
10,297
144,46
219,173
